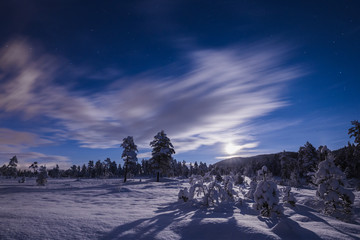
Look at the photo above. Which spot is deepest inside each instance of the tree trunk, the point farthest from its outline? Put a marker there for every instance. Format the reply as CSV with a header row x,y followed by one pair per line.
x,y
157,176
126,169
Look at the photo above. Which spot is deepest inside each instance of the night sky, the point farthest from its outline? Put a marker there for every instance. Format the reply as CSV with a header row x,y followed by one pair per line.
x,y
222,78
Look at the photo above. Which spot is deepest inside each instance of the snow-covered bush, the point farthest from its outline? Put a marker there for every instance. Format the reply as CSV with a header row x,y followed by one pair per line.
x,y
208,191
252,189
331,180
288,197
229,188
239,179
22,180
184,194
266,196
42,176
218,177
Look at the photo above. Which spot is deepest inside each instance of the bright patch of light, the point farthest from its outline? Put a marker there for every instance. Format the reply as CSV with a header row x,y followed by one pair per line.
x,y
231,148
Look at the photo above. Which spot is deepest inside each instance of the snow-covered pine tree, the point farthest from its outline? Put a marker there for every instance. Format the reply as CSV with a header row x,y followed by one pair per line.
x,y
323,151
288,197
11,168
42,176
331,180
308,161
184,169
252,188
355,132
285,166
202,168
129,154
266,196
34,167
238,179
162,149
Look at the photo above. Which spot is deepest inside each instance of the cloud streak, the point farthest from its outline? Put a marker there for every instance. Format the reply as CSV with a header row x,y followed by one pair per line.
x,y
16,143
213,102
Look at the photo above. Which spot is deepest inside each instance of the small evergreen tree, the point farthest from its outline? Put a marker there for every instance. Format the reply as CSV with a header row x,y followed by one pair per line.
x,y
42,176
355,131
129,154
289,196
99,169
266,196
185,169
252,189
55,172
161,154
308,160
91,169
331,180
34,167
355,164
11,168
323,151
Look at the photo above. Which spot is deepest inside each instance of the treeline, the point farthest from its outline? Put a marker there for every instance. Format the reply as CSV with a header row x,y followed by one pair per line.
x,y
104,169
294,168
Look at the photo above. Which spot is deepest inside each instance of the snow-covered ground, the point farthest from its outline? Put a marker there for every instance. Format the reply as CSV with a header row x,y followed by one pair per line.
x,y
108,209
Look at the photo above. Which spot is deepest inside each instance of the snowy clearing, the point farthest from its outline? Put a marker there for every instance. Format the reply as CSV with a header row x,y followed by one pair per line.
x,y
108,209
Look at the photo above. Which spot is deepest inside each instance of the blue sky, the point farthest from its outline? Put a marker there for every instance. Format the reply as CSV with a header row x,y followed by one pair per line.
x,y
223,79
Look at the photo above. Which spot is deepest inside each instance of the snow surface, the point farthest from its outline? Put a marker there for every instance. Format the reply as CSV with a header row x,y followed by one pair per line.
x,y
109,209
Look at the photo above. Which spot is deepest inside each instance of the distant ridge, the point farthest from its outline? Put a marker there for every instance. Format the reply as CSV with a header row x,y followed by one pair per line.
x,y
241,161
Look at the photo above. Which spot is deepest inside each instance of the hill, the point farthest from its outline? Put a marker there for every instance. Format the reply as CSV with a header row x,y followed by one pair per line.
x,y
270,160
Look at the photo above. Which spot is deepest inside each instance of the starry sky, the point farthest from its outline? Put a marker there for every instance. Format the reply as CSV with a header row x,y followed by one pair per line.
x,y
221,78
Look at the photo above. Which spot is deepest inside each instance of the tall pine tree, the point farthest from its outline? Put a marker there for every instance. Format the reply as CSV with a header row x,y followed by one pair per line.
x,y
161,154
129,154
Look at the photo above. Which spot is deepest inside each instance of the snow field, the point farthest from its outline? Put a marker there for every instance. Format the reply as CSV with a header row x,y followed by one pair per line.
x,y
109,209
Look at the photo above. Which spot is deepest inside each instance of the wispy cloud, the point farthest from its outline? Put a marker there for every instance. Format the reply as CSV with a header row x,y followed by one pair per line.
x,y
11,140
214,102
17,143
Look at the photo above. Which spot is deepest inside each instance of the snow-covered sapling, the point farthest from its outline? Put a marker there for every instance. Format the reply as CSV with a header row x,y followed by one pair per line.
x,y
210,191
239,179
331,180
183,194
22,180
229,188
42,176
252,189
266,196
289,198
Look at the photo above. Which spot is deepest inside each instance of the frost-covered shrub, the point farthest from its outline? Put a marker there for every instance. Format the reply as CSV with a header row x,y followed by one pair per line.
x,y
22,180
252,189
208,191
218,177
42,176
229,188
184,194
330,180
288,197
239,179
294,179
266,196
